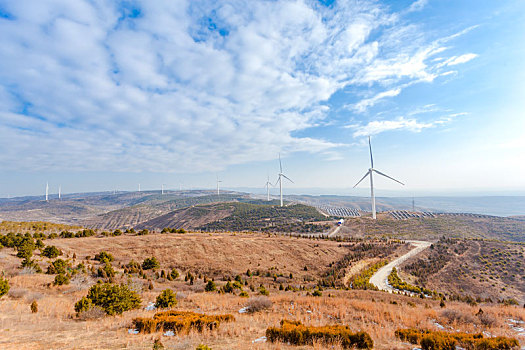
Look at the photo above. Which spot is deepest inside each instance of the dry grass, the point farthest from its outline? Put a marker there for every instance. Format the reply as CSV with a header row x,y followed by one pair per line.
x,y
378,313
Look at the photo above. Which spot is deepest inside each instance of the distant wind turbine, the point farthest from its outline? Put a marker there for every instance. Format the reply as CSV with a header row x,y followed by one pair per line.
x,y
162,189
139,187
370,173
47,190
218,181
280,179
59,191
267,185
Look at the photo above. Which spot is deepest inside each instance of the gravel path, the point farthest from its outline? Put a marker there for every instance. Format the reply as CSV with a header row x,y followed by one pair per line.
x,y
379,279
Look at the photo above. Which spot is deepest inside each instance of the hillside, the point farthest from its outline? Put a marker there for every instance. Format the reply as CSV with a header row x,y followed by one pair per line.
x,y
432,228
242,216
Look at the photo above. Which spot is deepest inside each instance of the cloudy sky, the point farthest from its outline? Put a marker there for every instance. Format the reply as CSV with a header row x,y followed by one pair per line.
x,y
96,95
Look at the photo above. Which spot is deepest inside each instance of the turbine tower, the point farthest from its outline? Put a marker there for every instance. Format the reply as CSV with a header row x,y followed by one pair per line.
x,y
162,189
370,173
267,185
139,187
59,191
47,190
218,181
280,179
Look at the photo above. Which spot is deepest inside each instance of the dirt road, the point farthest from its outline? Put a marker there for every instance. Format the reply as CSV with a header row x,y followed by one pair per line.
x,y
379,279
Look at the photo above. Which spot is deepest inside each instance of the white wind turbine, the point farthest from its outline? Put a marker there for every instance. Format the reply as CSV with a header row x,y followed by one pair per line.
x,y
47,190
267,185
280,179
218,182
370,173
59,191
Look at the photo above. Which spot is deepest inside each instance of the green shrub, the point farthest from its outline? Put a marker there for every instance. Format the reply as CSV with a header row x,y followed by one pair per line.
x,y
210,286
180,322
166,299
362,280
440,340
203,347
83,305
114,299
58,266
4,286
51,252
61,279
294,332
174,274
396,282
317,293
263,291
103,256
150,263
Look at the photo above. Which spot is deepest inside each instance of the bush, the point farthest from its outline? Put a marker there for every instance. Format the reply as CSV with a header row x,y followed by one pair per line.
x,y
51,252
166,299
362,280
210,286
58,266
150,263
103,256
440,340
34,307
4,286
112,298
61,279
174,274
258,304
82,305
294,332
203,347
180,322
263,291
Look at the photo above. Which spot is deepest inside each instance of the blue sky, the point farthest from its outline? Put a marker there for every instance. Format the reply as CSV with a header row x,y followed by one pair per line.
x,y
96,95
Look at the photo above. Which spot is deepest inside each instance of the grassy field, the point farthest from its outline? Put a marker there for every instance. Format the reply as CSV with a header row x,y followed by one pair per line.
x,y
273,261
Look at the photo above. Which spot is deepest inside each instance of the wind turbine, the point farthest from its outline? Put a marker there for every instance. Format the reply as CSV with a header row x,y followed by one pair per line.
x,y
162,189
47,190
267,185
280,179
139,187
59,191
370,173
218,181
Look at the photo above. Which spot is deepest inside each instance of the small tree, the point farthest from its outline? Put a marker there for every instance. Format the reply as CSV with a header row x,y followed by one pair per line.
x,y
61,279
34,307
166,299
51,252
114,299
210,286
103,256
4,286
150,263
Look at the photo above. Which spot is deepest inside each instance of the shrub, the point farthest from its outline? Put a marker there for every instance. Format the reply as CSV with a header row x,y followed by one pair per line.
x,y
83,305
362,280
203,347
143,232
34,307
317,293
263,291
157,345
61,279
103,256
258,304
4,286
180,322
243,294
210,286
150,263
396,282
51,252
112,298
166,299
174,274
294,332
440,340
58,266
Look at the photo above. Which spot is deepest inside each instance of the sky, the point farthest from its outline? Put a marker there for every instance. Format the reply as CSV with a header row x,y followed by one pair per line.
x,y
101,95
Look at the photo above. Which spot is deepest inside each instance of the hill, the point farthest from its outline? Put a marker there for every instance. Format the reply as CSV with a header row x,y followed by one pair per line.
x,y
242,216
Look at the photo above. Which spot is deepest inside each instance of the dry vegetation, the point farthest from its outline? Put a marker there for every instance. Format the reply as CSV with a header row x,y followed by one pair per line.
x,y
242,267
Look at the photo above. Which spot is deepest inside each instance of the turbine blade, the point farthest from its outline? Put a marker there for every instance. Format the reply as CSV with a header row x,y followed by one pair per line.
x,y
278,179
368,172
286,177
391,178
371,158
280,164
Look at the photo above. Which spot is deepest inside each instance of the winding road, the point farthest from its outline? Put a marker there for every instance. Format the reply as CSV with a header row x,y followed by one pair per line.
x,y
380,278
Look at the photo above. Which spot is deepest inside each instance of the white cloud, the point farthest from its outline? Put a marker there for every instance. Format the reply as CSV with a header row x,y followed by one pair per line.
x,y
86,86
455,60
362,105
417,5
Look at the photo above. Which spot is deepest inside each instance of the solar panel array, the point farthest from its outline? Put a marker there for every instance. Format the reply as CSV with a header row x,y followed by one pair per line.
x,y
339,211
403,214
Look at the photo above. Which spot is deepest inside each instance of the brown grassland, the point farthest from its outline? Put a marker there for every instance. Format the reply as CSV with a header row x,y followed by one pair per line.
x,y
280,260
